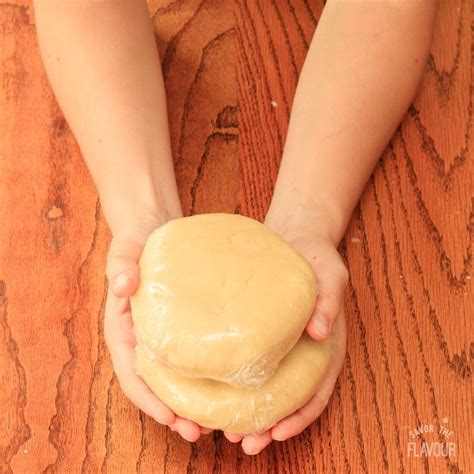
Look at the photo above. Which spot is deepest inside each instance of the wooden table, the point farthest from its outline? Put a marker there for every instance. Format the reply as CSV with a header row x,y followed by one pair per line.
x,y
231,71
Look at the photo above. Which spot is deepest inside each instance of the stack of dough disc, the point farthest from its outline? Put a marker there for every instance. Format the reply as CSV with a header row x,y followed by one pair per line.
x,y
219,313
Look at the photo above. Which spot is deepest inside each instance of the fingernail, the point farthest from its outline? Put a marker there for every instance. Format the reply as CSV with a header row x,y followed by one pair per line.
x,y
122,279
321,324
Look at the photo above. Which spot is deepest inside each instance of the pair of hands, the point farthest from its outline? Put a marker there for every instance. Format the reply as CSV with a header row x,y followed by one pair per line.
x,y
328,317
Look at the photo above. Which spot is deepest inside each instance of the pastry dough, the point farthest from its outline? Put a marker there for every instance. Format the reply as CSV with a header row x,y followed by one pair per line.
x,y
218,405
220,296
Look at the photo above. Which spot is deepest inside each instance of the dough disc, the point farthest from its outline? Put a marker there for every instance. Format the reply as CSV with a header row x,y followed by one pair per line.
x,y
221,297
218,405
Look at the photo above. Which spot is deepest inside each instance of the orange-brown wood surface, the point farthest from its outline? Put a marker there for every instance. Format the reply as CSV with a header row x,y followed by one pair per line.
x,y
231,67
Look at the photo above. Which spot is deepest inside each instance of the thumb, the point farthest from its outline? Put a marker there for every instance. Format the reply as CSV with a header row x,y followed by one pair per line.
x,y
332,277
122,263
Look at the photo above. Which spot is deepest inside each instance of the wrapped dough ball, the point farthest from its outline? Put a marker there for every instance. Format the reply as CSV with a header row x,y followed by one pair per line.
x,y
218,315
222,297
218,405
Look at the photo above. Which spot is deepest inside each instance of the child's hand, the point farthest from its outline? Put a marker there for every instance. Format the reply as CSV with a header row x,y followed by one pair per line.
x,y
122,272
328,317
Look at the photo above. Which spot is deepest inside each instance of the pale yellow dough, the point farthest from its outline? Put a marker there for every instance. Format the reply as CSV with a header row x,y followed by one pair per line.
x,y
220,296
218,405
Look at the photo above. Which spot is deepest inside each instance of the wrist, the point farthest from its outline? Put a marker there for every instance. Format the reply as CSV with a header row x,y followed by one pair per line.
x,y
138,206
306,218
140,219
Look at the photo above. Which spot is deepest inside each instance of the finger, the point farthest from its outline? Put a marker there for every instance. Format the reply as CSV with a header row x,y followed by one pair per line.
x,y
253,444
122,267
332,278
206,431
298,421
119,338
142,397
301,419
233,438
189,430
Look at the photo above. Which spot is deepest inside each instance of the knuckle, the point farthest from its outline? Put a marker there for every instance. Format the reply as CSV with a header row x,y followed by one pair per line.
x,y
331,304
114,254
323,403
344,274
307,419
119,247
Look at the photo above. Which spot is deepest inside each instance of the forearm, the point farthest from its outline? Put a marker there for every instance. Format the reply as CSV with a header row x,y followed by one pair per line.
x,y
360,75
103,65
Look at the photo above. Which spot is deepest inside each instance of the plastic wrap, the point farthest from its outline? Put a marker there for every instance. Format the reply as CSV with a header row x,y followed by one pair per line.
x,y
218,316
218,405
221,297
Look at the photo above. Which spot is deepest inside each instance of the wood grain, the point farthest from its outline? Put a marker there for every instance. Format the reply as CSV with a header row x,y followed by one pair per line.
x,y
231,68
